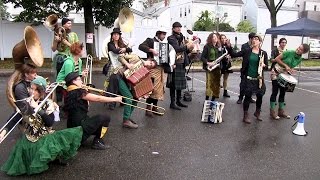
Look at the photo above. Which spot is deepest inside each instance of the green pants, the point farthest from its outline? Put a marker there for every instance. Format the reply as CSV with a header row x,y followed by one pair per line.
x,y
124,91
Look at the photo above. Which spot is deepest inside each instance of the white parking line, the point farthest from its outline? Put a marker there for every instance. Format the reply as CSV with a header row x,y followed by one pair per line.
x,y
315,92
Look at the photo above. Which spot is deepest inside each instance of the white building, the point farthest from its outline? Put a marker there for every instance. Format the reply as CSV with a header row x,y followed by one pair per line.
x,y
309,9
258,14
187,12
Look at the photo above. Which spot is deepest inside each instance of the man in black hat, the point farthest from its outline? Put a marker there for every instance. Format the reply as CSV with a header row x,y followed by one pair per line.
x,y
176,80
58,41
76,107
157,73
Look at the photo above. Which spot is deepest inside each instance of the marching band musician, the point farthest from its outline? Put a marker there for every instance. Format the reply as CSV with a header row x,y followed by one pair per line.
x,y
76,107
72,63
211,51
225,66
40,144
117,82
157,73
176,80
274,53
21,91
245,46
288,60
254,59
62,54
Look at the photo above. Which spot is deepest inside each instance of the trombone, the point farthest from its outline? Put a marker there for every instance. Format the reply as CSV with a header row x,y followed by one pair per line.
x,y
88,88
89,68
49,90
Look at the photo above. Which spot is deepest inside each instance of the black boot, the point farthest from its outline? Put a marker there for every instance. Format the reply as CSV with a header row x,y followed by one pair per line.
x,y
179,99
240,99
98,144
172,97
225,93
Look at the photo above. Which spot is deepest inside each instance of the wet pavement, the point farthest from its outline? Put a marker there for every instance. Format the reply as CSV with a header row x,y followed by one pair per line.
x,y
189,149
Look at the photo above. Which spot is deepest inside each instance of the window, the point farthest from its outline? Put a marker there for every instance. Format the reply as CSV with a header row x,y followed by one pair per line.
x,y
189,10
185,11
315,8
180,12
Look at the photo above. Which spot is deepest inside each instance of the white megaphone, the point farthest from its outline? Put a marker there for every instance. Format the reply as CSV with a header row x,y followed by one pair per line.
x,y
299,130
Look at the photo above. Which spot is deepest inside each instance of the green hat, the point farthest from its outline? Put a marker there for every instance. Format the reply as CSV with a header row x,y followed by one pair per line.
x,y
39,80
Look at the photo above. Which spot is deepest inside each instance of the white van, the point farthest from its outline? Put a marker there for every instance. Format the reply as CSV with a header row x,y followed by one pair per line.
x,y
314,48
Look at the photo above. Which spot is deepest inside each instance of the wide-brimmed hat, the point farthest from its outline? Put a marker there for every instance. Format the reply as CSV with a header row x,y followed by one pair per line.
x,y
176,24
70,77
116,30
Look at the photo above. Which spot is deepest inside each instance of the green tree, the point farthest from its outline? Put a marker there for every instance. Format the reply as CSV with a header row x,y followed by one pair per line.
x,y
224,27
96,12
3,11
273,9
245,26
206,23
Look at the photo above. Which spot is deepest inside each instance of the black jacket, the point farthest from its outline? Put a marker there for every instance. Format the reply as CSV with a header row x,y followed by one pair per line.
x,y
176,41
205,55
245,59
146,45
112,47
274,53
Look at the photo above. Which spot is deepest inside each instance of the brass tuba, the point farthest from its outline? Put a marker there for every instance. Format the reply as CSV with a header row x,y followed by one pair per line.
x,y
51,23
125,22
30,46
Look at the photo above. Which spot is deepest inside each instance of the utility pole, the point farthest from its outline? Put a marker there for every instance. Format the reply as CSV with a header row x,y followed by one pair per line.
x,y
217,17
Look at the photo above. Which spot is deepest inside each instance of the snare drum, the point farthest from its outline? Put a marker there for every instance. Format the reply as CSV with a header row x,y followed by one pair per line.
x,y
287,81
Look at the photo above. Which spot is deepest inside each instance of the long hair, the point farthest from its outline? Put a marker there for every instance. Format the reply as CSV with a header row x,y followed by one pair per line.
x,y
120,42
209,40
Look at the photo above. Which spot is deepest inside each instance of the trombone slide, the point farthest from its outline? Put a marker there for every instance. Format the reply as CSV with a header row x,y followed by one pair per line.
x,y
88,88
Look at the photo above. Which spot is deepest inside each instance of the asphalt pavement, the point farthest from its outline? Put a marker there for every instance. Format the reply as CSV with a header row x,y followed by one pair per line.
x,y
178,146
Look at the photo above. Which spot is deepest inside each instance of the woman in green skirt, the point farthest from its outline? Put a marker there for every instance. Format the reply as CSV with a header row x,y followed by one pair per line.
x,y
40,144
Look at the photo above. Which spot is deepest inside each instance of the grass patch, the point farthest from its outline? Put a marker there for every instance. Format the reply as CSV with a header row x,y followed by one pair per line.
x,y
47,64
8,63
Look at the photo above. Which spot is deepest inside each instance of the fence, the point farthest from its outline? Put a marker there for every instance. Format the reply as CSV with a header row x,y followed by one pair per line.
x,y
11,33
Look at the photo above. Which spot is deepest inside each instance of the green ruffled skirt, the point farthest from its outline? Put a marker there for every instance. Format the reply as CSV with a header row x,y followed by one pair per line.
x,y
32,158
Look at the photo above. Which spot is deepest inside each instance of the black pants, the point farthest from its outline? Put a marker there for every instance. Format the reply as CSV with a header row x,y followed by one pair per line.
x,y
152,101
247,100
113,87
173,95
59,93
252,87
275,89
241,85
93,126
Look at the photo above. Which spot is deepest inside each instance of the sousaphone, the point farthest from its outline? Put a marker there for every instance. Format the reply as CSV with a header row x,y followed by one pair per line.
x,y
125,22
28,48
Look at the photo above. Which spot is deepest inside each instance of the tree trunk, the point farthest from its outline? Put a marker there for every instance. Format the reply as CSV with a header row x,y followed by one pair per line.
x,y
89,27
273,17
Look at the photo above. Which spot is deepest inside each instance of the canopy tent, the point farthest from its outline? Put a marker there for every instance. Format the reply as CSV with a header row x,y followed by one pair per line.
x,y
300,27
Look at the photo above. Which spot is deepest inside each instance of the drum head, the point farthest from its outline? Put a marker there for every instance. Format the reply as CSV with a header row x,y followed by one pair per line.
x,y
288,78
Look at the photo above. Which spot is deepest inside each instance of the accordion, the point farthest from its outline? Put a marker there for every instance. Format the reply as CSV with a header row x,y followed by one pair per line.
x,y
142,88
163,51
137,74
212,112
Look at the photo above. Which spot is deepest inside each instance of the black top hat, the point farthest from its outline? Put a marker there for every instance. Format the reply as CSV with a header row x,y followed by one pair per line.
x,y
70,77
176,24
116,30
64,21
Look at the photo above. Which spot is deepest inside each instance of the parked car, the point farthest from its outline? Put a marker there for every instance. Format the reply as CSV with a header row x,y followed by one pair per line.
x,y
314,48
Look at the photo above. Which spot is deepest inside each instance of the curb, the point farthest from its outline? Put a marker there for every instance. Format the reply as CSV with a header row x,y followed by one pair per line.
x,y
46,72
